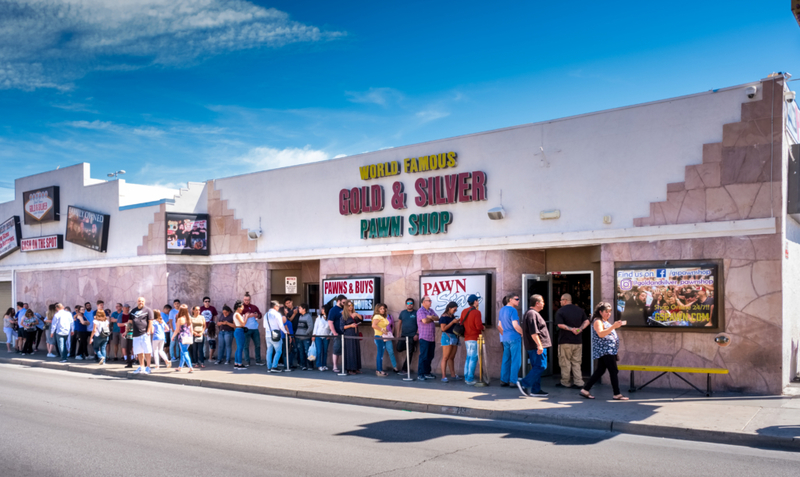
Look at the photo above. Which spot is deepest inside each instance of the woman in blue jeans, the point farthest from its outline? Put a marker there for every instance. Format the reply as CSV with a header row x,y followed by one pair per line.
x,y
100,334
321,333
238,334
274,322
225,337
184,337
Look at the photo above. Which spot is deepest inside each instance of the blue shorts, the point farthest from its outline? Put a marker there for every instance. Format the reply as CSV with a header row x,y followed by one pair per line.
x,y
449,340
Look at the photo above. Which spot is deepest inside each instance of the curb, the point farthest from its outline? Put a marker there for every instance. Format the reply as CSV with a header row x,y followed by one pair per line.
x,y
607,425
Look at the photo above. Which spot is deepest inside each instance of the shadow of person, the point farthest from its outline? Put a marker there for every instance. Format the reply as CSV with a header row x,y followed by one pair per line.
x,y
780,431
421,430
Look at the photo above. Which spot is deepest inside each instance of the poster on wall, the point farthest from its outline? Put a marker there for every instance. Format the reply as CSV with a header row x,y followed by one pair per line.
x,y
682,296
446,288
10,233
364,292
793,121
187,234
41,205
291,285
87,229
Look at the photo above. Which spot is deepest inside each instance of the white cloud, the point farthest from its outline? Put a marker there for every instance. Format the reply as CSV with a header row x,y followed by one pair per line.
x,y
431,114
116,128
48,43
379,96
263,158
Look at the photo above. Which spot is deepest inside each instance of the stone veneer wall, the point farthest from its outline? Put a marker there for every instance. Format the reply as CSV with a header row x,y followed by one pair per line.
x,y
400,277
154,243
111,284
738,179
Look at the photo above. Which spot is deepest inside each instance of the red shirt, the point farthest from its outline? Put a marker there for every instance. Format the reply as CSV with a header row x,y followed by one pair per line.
x,y
473,326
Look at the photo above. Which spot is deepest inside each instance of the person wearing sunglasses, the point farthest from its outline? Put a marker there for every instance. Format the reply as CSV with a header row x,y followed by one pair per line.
x,y
511,339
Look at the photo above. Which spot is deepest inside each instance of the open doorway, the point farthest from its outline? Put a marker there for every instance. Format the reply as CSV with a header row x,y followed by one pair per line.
x,y
579,285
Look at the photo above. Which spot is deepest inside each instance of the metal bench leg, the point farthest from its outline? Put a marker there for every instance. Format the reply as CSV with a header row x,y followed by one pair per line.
x,y
632,386
648,382
687,382
708,385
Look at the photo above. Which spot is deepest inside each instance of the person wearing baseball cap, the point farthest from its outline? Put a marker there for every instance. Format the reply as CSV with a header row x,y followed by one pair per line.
x,y
473,326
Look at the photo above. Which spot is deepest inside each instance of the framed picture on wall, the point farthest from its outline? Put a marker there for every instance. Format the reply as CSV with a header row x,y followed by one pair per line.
x,y
187,234
87,229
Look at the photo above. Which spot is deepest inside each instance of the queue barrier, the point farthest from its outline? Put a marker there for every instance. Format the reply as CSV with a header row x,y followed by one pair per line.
x,y
674,370
408,363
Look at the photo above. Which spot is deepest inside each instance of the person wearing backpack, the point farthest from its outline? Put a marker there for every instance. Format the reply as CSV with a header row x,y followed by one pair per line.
x,y
473,327
100,335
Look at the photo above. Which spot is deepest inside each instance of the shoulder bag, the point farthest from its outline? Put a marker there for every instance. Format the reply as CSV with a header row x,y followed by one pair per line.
x,y
458,329
276,335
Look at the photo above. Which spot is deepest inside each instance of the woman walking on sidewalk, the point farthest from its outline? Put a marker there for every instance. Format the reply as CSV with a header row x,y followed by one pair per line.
x,y
159,339
184,326
100,335
605,344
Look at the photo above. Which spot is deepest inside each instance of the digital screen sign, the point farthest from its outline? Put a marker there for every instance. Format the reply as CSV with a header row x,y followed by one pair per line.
x,y
187,234
87,229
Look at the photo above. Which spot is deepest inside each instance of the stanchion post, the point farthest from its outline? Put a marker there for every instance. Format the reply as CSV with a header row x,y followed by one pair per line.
x,y
408,361
287,359
480,382
342,371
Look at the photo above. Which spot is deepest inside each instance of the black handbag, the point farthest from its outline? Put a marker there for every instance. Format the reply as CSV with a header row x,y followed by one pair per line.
x,y
459,329
276,335
401,345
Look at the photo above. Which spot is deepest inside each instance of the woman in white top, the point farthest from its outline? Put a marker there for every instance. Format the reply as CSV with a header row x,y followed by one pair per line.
x,y
159,337
239,334
321,332
274,322
100,335
9,321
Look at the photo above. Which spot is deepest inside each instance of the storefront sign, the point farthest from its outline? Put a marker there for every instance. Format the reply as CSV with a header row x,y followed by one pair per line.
x,y
382,169
793,122
446,288
291,285
363,292
87,229
187,234
429,224
683,296
41,205
382,227
49,242
9,236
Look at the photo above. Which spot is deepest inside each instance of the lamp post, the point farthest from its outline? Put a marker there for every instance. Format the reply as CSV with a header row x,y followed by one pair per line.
x,y
115,174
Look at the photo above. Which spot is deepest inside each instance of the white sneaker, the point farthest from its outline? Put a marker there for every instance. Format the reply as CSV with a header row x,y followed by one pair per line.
x,y
138,370
146,370
79,357
51,355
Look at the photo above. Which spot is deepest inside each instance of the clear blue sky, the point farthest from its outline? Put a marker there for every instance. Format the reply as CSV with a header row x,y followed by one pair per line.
x,y
186,90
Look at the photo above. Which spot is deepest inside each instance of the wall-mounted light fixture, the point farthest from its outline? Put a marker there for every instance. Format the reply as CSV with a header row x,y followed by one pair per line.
x,y
550,214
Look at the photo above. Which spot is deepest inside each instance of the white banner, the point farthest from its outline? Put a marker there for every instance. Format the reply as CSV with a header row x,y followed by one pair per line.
x,y
446,288
9,239
363,292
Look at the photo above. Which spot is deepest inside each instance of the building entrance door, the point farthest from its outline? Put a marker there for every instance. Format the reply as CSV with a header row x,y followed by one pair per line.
x,y
580,286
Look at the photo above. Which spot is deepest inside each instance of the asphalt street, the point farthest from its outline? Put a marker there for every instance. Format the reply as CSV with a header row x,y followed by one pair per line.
x,y
57,423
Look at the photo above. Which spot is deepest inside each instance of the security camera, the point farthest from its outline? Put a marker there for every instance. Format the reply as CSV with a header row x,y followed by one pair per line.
x,y
751,91
254,234
789,96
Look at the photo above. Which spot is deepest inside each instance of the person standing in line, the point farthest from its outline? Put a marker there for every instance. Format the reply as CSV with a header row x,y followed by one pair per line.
x,y
29,322
380,323
571,320
48,322
174,348
9,328
117,345
100,334
292,314
251,314
352,347
21,335
511,338
60,328
537,341
142,318
274,322
605,344
305,328
225,337
239,334
80,337
473,327
126,335
449,341
168,331
335,325
183,336
408,329
321,333
426,326
210,314
159,338
198,337
88,314
39,331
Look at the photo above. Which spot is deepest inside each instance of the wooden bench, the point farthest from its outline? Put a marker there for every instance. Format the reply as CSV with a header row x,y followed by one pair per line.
x,y
674,370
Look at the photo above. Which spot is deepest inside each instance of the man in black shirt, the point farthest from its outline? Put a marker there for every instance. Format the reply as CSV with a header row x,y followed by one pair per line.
x,y
571,321
142,319
636,310
408,328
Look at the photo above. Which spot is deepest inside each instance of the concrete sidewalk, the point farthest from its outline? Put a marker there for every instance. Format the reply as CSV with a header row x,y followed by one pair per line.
x,y
757,421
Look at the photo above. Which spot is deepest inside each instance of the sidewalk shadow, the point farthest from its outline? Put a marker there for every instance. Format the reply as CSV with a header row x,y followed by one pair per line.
x,y
780,431
420,430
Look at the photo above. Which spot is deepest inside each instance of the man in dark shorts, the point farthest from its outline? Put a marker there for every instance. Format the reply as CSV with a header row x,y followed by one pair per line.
x,y
335,324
